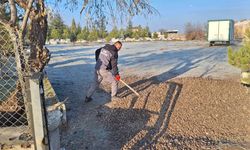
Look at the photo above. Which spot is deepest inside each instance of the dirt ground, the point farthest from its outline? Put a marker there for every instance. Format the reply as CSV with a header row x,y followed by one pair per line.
x,y
175,110
184,113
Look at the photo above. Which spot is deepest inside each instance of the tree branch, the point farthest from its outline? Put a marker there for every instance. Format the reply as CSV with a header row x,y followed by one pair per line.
x,y
3,2
84,5
26,16
21,3
13,12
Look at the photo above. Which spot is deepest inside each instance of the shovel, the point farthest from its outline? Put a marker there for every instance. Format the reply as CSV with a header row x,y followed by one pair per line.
x,y
130,87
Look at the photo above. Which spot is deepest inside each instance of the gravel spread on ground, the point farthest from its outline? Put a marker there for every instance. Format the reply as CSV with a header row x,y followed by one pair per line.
x,y
183,113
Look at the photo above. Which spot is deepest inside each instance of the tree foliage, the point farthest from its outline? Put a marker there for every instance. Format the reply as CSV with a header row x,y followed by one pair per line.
x,y
34,12
241,57
113,34
155,36
58,30
136,32
56,27
73,28
73,31
97,12
78,29
165,35
129,32
84,34
101,26
93,35
117,9
66,33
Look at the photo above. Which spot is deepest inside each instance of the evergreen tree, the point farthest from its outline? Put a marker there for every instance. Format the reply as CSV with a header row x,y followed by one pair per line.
x,y
49,33
129,30
101,26
56,27
72,37
73,28
113,34
155,36
79,29
136,34
93,35
165,35
56,34
66,33
84,34
122,32
73,31
241,57
143,32
148,31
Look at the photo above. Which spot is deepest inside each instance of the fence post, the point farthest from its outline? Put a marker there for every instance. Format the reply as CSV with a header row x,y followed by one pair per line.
x,y
40,129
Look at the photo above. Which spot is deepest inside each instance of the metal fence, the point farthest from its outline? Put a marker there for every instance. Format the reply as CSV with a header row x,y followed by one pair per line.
x,y
14,123
23,115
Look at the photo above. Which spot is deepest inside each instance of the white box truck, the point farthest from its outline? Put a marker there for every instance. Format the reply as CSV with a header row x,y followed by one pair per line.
x,y
220,31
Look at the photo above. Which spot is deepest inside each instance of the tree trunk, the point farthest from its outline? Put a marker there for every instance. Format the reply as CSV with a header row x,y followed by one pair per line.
x,y
38,32
13,10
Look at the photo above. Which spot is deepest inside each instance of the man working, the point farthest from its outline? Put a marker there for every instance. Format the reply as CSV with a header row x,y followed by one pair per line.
x,y
106,69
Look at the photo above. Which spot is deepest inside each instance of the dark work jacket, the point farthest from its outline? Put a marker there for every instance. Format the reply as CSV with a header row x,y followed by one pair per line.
x,y
106,58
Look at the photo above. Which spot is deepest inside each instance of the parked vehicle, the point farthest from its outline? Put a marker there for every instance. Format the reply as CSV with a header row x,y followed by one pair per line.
x,y
220,31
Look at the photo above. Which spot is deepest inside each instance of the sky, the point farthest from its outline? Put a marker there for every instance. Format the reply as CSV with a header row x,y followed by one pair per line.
x,y
174,14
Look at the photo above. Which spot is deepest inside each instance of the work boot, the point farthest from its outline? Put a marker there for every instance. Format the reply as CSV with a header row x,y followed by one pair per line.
x,y
88,99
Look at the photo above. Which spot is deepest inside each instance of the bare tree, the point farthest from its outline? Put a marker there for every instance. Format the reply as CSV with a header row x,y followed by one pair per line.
x,y
194,32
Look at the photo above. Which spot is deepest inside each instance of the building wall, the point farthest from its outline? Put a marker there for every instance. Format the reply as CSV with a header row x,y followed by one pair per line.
x,y
171,36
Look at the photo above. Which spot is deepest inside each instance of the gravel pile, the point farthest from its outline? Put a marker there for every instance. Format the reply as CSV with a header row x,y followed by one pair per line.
x,y
184,113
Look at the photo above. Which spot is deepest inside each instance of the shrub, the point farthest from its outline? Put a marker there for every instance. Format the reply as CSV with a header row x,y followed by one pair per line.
x,y
241,57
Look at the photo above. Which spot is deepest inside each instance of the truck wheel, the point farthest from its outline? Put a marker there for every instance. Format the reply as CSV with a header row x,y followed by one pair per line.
x,y
210,44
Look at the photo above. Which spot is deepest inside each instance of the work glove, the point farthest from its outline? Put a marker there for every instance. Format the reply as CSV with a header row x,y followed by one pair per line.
x,y
117,77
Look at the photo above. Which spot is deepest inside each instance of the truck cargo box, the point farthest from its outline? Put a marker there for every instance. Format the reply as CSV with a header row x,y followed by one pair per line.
x,y
220,31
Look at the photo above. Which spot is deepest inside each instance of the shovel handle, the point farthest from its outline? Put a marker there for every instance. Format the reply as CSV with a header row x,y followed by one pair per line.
x,y
130,87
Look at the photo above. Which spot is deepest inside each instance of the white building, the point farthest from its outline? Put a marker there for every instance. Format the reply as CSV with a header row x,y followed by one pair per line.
x,y
171,35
